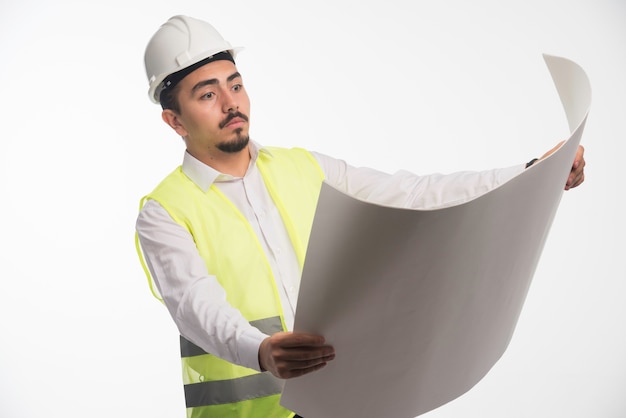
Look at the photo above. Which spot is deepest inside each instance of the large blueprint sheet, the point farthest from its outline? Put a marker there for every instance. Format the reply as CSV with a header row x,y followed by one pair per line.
x,y
420,305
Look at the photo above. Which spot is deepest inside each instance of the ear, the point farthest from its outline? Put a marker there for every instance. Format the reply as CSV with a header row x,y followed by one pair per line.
x,y
173,120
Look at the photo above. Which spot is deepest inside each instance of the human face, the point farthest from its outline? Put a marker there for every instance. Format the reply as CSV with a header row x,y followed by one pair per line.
x,y
214,111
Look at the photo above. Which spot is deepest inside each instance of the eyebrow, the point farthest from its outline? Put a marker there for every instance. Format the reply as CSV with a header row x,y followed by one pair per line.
x,y
213,81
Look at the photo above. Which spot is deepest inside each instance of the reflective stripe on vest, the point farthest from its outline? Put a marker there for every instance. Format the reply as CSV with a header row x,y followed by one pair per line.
x,y
224,391
233,254
227,391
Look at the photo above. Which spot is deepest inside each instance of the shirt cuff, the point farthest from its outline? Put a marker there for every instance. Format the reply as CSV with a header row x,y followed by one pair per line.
x,y
248,348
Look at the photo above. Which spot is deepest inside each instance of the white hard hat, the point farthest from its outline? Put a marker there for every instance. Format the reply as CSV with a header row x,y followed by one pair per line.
x,y
179,43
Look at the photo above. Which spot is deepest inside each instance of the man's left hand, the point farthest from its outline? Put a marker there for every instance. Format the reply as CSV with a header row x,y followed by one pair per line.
x,y
577,173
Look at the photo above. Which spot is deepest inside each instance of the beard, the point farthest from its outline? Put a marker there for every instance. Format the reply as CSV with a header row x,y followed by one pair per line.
x,y
240,142
236,145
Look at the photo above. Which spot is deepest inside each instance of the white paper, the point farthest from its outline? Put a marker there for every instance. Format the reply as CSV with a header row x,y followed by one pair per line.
x,y
420,305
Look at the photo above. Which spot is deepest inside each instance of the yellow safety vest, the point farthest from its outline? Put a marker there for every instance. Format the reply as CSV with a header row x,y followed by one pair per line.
x,y
233,253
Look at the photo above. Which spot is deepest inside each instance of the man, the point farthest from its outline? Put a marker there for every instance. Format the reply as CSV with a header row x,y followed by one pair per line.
x,y
224,235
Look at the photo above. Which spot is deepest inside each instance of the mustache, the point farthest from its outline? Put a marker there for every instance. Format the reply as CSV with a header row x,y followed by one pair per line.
x,y
232,116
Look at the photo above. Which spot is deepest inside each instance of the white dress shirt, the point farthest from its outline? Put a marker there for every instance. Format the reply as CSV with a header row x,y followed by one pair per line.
x,y
196,300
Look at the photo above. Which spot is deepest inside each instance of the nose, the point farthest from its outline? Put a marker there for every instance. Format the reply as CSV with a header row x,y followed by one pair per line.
x,y
230,104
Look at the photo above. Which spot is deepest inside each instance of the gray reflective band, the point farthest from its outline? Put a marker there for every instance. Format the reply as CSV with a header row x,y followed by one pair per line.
x,y
234,390
189,349
267,326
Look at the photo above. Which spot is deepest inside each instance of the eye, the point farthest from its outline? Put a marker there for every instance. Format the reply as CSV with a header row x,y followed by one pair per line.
x,y
208,95
237,87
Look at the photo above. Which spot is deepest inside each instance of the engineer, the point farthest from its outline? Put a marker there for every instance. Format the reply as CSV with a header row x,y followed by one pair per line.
x,y
223,237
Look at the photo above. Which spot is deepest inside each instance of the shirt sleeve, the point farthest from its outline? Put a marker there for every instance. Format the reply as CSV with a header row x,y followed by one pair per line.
x,y
408,190
195,299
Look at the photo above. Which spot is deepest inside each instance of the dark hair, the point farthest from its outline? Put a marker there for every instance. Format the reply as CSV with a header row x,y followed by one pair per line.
x,y
169,98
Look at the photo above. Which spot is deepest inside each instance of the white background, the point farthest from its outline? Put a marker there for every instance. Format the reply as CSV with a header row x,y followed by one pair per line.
x,y
424,86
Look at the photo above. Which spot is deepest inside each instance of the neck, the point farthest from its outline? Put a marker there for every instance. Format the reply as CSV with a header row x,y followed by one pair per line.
x,y
232,163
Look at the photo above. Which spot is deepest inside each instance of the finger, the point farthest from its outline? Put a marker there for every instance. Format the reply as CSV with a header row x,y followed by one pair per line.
x,y
307,363
580,152
302,357
299,368
579,173
313,364
575,180
578,181
300,340
303,354
302,371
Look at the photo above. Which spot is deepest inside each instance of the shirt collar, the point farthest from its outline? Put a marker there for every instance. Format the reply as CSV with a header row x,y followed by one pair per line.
x,y
204,176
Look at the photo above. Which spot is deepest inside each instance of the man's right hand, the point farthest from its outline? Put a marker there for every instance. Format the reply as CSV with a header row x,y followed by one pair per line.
x,y
288,354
